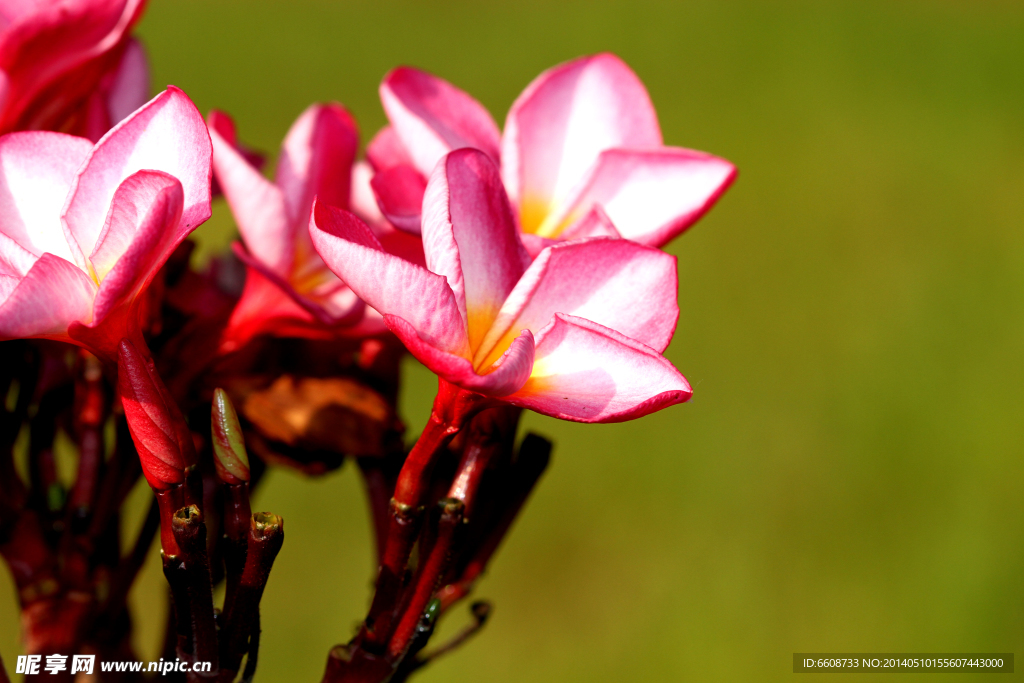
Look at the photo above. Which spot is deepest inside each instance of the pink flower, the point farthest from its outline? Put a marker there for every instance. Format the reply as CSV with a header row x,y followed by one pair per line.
x,y
581,154
84,229
289,291
576,334
70,65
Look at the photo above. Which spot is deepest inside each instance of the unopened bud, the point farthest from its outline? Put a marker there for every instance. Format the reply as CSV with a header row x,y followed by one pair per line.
x,y
151,420
231,460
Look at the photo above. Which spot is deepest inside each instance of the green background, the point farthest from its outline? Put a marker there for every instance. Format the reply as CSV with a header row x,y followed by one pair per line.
x,y
848,476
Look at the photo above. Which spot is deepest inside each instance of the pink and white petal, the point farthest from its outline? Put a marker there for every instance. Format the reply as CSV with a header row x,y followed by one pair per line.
x,y
506,376
652,196
330,304
470,237
316,160
432,117
257,204
562,121
399,192
588,373
362,201
595,223
387,282
15,260
142,229
386,150
400,243
129,89
51,42
140,198
535,244
8,283
618,284
167,134
54,294
37,170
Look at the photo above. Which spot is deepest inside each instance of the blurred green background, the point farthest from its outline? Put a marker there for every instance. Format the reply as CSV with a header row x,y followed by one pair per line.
x,y
848,476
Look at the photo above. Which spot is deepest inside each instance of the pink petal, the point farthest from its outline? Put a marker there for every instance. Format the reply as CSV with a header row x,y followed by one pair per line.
x,y
507,375
54,294
37,170
386,150
588,373
432,117
362,200
129,89
562,121
386,282
167,134
470,237
257,204
618,284
594,224
266,308
142,229
399,192
46,44
15,260
316,160
331,303
651,196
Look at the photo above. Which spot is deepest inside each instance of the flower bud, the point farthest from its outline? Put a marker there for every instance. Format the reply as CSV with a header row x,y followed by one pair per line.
x,y
152,421
231,460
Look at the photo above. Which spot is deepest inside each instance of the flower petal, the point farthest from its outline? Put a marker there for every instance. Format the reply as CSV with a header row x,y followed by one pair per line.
x,y
386,282
594,224
399,192
130,87
142,229
45,45
167,134
650,195
316,161
386,150
470,237
54,294
37,170
562,121
432,117
15,260
588,373
257,204
330,304
618,284
508,374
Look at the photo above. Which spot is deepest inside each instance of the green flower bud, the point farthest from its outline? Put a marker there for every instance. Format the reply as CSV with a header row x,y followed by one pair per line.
x,y
228,445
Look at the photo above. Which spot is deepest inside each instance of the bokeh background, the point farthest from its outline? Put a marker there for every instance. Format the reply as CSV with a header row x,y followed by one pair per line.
x,y
848,476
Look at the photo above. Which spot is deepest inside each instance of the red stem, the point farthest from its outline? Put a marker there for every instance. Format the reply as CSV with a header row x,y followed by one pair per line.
x,y
453,407
429,577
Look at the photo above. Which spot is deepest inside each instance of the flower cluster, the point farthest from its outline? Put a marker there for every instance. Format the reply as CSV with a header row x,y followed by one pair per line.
x,y
523,267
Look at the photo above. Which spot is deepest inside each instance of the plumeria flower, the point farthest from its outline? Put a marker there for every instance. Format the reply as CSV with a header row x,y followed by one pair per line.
x,y
581,154
576,334
84,229
70,65
289,291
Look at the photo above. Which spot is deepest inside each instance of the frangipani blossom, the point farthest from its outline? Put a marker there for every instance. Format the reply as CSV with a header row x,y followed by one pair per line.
x,y
70,65
581,154
84,229
576,334
288,289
